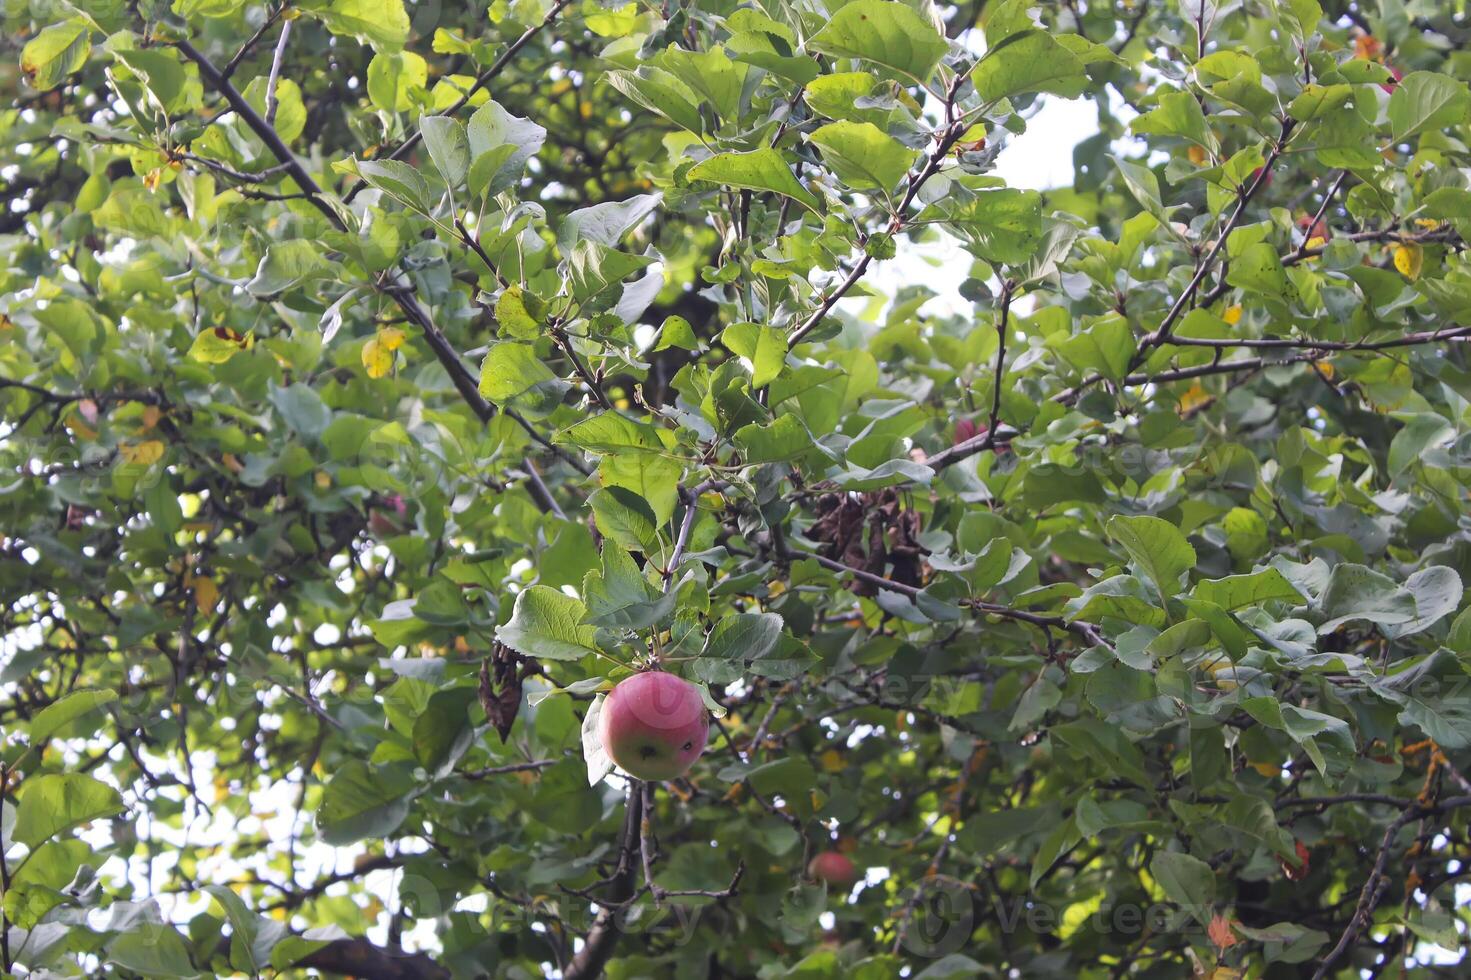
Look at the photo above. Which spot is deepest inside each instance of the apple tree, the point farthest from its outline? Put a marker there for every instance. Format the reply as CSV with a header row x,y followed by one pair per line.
x,y
1067,582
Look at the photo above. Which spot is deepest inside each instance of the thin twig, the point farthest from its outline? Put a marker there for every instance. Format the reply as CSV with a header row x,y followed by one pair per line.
x,y
275,76
481,81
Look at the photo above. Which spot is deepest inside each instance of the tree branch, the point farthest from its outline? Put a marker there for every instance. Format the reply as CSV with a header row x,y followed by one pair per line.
x,y
1162,334
481,81
362,959
402,292
603,936
954,128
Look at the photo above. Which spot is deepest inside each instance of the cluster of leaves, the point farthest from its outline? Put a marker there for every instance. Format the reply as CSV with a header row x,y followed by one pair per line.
x,y
381,383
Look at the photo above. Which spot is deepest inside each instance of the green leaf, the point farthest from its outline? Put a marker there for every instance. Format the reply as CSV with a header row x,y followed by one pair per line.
x,y
564,801
786,438
661,92
58,718
513,375
448,146
1187,881
161,72
382,23
654,479
1143,184
1422,431
1178,114
548,624
744,637
1028,62
1317,100
885,33
362,801
626,517
1259,270
210,347
1356,592
1157,547
506,141
594,269
676,332
1237,591
284,265
56,52
152,949
53,803
765,347
1437,592
252,937
442,733
520,313
1106,347
862,155
611,432
594,754
290,120
998,226
618,595
302,408
1427,100
394,77
608,222
757,170
710,74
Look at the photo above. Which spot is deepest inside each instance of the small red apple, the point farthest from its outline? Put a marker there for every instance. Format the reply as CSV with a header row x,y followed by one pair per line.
x,y
386,521
1314,229
965,430
654,725
833,868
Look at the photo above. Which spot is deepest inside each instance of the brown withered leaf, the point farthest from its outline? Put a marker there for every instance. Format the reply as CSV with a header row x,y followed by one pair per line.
x,y
501,678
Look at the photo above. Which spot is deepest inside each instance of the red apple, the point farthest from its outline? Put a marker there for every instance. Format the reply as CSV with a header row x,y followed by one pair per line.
x,y
1314,229
833,868
965,430
654,725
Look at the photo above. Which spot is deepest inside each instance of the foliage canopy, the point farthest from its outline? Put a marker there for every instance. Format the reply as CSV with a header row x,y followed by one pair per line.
x,y
382,382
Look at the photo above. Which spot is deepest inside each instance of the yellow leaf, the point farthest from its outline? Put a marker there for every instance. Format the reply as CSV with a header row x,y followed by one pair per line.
x,y
1268,769
206,594
1232,314
1194,398
391,337
142,453
80,429
151,415
1429,224
1196,153
323,479
832,761
377,359
1409,259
